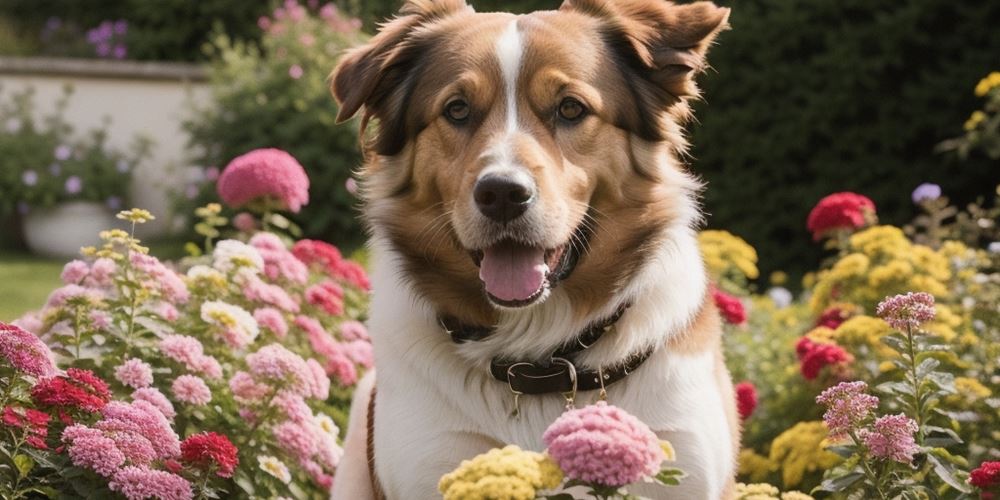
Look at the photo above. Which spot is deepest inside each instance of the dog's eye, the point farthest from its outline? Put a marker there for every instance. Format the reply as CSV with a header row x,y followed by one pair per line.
x,y
571,110
457,111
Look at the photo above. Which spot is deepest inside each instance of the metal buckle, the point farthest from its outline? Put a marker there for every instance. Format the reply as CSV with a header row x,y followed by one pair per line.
x,y
517,394
570,396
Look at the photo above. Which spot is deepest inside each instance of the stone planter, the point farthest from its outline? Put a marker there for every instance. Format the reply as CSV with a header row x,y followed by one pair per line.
x,y
60,231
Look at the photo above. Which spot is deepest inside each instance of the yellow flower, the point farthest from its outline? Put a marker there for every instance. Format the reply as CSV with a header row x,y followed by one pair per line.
x,y
726,254
508,473
863,330
756,491
668,450
136,215
795,495
968,391
986,84
754,465
779,278
800,449
822,335
974,120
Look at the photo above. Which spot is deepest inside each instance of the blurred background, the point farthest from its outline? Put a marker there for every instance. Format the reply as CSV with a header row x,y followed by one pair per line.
x,y
116,103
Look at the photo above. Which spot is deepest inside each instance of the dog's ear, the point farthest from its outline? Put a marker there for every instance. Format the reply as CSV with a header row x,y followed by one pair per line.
x,y
668,40
367,74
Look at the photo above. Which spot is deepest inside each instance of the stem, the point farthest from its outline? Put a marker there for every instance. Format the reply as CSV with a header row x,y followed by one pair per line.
x,y
7,391
917,405
869,473
76,333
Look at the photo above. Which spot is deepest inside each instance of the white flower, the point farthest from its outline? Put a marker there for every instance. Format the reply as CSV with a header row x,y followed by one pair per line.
x,y
201,272
994,247
327,424
781,296
274,467
239,328
230,255
13,125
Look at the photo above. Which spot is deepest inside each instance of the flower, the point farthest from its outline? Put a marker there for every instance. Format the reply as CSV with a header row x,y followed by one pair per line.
x,y
74,184
296,439
91,449
840,211
508,473
926,192
353,330
730,307
210,451
988,83
986,476
764,491
138,483
328,296
244,222
907,311
134,373
274,467
801,449
233,255
78,389
279,262
746,399
271,174
726,254
235,324
276,364
834,315
156,398
258,291
295,71
160,277
140,419
891,438
816,356
271,319
847,406
62,152
603,444
191,389
25,352
34,422
781,296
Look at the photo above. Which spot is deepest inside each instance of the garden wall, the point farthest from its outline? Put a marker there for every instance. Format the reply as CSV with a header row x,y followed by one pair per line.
x,y
139,98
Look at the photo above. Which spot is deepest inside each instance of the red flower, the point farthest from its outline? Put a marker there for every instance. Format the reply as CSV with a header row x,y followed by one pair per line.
x,y
35,422
730,307
210,450
746,399
832,317
328,296
815,356
329,259
79,389
986,477
839,211
268,174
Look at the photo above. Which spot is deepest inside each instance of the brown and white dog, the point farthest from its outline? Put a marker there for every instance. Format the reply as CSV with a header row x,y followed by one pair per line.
x,y
525,176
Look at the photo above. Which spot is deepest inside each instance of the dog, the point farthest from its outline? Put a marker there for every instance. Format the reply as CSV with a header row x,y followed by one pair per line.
x,y
532,235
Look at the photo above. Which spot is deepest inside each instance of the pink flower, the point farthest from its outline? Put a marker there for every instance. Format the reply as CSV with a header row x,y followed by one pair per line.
x,y
318,475
353,330
908,311
847,406
891,438
265,173
138,483
25,352
259,291
134,373
986,476
156,398
360,352
246,390
278,261
160,277
731,308
319,383
603,444
74,272
342,369
264,23
101,272
166,310
208,366
293,406
272,319
296,440
295,71
244,222
746,399
61,295
353,274
276,364
328,296
91,449
191,389
100,319
840,211
143,419
182,349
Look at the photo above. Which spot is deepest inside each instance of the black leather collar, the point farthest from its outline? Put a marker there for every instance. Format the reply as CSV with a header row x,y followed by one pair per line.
x,y
559,374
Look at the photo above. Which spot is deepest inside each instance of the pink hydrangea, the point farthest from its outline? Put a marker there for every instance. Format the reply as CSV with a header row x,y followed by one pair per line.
x,y
318,475
156,398
847,405
74,272
246,390
258,291
160,277
191,389
274,363
25,352
134,373
907,311
603,444
353,330
271,318
208,366
891,438
269,174
91,449
101,272
342,369
138,483
166,310
296,439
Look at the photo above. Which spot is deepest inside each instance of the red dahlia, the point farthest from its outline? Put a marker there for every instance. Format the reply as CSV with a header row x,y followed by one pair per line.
x,y
730,307
832,317
79,389
986,476
746,399
839,211
209,449
815,356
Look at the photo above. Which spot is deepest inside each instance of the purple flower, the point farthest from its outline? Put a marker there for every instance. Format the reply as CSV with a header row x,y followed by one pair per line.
x,y
74,184
120,51
295,71
121,27
29,177
907,311
847,405
926,192
63,152
103,49
891,438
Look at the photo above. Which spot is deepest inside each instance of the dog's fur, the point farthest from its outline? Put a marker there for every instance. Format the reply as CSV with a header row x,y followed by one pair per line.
x,y
616,172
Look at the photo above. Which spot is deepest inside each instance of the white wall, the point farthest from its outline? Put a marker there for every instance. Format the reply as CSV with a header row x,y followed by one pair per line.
x,y
150,104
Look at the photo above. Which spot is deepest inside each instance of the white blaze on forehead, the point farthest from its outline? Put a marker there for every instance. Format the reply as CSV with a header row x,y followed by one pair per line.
x,y
509,48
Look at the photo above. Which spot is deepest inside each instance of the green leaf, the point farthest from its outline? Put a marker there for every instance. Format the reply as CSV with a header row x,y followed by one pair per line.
x,y
896,341
946,472
842,451
944,381
670,476
560,496
926,367
24,464
839,483
893,388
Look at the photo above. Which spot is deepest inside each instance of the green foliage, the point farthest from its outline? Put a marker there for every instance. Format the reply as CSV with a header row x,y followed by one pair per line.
x,y
259,102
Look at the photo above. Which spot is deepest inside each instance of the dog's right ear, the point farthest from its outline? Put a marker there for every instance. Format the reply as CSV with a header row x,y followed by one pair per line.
x,y
367,73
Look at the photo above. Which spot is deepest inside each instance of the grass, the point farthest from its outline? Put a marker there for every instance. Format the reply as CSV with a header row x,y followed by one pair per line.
x,y
25,283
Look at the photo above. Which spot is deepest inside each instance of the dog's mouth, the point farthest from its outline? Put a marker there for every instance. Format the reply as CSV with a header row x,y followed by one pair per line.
x,y
516,274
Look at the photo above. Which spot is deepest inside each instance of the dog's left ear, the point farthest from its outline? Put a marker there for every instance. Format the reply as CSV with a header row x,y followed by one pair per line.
x,y
669,40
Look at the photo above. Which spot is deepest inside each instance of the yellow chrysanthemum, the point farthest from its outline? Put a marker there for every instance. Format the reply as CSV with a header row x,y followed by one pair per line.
x,y
801,449
987,84
968,391
754,465
974,120
822,335
508,473
726,254
756,491
864,330
795,495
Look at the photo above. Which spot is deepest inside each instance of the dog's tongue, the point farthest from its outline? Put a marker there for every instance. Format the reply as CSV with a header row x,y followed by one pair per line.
x,y
512,272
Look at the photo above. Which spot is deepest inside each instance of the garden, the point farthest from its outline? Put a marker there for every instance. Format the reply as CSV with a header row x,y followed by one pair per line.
x,y
859,286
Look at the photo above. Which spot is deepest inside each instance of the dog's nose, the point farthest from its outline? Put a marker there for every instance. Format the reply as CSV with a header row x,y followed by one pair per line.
x,y
504,198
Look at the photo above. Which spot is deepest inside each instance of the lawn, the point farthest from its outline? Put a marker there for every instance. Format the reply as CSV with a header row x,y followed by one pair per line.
x,y
25,282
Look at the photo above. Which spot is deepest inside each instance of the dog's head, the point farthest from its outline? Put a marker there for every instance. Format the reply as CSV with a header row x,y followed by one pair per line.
x,y
517,153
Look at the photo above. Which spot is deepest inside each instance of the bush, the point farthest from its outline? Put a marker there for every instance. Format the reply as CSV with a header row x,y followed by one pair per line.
x,y
277,96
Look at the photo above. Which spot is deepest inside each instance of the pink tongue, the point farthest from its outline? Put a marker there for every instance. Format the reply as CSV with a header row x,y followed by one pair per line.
x,y
513,272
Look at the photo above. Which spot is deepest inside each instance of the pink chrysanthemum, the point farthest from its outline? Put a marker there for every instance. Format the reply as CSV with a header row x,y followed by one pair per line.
x,y
746,399
353,330
279,262
319,383
907,311
257,290
269,174
160,277
271,318
25,352
134,373
840,211
191,389
91,449
74,272
276,364
138,483
143,419
847,405
296,439
328,296
61,295
891,438
156,398
603,444
190,352
293,406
